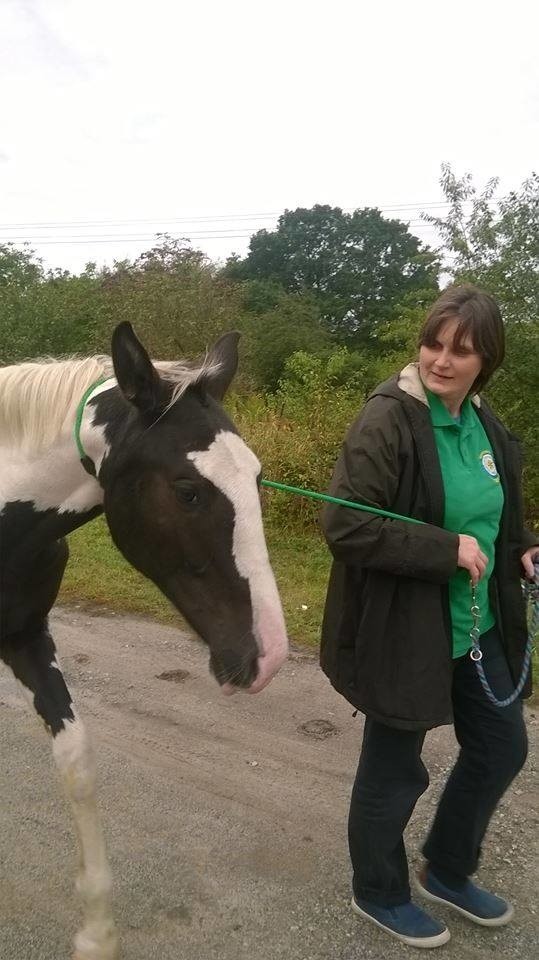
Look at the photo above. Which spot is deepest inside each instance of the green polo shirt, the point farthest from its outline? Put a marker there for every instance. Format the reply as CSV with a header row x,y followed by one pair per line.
x,y
473,505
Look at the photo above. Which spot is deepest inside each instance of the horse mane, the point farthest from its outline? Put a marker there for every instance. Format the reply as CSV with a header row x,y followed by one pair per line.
x,y
39,398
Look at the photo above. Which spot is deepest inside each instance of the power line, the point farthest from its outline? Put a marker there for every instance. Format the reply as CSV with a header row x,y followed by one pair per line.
x,y
119,223
126,236
153,237
199,234
213,234
217,218
223,230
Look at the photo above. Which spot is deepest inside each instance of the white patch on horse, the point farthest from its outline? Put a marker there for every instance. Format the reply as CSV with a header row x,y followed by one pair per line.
x,y
48,475
75,762
233,468
54,479
50,479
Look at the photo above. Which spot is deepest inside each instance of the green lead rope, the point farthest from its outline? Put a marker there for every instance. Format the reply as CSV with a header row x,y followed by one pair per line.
x,y
313,495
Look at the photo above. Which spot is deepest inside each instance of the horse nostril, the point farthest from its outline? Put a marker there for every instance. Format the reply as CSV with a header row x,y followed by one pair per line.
x,y
239,669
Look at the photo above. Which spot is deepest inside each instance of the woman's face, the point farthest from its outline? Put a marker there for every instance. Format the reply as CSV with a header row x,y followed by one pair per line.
x,y
446,371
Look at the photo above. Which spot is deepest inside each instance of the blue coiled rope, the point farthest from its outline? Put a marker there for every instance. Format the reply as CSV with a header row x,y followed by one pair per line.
x,y
531,593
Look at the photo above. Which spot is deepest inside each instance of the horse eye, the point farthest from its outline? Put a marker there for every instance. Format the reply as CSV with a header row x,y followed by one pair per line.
x,y
186,492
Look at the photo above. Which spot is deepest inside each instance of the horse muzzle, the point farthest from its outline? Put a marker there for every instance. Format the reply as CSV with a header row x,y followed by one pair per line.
x,y
234,670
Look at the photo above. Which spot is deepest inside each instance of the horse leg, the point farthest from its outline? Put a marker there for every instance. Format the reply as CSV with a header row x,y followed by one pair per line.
x,y
31,654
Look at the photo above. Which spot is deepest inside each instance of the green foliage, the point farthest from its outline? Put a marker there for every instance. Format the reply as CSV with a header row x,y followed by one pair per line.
x,y
356,266
19,270
297,431
512,394
174,297
49,314
493,243
276,325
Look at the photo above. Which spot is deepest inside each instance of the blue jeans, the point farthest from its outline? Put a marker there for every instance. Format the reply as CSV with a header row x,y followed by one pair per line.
x,y
391,777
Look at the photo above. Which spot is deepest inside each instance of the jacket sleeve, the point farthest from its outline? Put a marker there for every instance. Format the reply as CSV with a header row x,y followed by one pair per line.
x,y
368,471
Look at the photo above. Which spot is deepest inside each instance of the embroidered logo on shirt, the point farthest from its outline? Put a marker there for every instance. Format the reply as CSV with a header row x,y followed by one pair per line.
x,y
487,461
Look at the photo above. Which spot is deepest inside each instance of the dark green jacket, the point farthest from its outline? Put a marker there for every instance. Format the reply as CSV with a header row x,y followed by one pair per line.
x,y
386,634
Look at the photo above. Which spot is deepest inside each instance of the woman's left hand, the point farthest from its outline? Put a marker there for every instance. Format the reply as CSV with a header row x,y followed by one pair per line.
x,y
527,561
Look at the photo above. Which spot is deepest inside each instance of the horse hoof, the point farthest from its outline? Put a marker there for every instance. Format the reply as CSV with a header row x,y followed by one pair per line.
x,y
96,956
89,948
96,953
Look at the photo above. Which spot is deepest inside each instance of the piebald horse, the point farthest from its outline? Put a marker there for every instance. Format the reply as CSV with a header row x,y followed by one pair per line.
x,y
148,444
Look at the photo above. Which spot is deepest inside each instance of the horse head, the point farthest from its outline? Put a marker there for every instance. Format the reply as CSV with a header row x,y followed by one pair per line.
x,y
182,504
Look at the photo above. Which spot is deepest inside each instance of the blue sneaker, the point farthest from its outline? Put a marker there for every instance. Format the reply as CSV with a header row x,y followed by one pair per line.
x,y
408,923
473,902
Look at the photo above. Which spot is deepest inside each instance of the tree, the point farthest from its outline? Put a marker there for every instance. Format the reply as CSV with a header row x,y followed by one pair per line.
x,y
174,296
18,268
20,275
357,266
276,325
493,242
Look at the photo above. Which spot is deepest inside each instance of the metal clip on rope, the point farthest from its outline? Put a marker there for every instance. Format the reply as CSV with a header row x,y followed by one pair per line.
x,y
531,592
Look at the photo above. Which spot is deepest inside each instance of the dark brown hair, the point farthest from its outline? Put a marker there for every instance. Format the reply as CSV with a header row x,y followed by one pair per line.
x,y
479,317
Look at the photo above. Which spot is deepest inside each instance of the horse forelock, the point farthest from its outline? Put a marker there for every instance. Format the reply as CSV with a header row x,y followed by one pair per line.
x,y
37,398
183,375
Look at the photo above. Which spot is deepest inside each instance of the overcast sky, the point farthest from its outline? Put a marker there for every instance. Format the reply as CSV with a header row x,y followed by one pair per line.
x,y
120,118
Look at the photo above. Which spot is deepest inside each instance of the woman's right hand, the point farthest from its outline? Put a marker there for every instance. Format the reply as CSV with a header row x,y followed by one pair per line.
x,y
471,557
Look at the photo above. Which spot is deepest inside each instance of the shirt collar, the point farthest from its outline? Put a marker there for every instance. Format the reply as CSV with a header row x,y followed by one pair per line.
x,y
441,417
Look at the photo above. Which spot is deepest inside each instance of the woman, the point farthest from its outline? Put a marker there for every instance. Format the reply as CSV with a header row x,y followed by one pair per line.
x,y
395,638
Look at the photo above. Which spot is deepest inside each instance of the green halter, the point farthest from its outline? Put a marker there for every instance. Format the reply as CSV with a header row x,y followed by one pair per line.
x,y
85,459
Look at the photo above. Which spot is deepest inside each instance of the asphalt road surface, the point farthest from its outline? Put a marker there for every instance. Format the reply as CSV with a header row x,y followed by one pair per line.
x,y
225,817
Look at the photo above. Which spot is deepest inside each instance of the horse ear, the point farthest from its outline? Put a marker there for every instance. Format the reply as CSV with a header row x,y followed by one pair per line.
x,y
137,377
223,354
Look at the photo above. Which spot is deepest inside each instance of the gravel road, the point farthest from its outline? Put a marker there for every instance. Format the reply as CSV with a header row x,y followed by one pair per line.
x,y
225,817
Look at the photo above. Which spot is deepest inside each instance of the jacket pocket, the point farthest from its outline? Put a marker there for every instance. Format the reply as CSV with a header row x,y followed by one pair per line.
x,y
403,655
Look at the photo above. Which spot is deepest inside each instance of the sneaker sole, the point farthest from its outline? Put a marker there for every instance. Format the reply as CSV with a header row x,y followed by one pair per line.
x,y
483,921
423,942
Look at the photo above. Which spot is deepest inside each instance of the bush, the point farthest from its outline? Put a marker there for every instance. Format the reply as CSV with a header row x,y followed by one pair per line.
x,y
297,432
